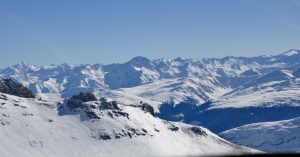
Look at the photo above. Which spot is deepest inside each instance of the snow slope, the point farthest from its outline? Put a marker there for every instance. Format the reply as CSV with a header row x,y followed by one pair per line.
x,y
170,91
31,127
276,88
270,96
277,136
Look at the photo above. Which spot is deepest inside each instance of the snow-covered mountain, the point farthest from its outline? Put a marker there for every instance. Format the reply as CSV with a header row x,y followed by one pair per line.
x,y
269,97
71,79
80,127
217,93
277,136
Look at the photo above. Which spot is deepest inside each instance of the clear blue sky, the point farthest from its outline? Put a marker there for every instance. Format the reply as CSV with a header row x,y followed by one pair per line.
x,y
95,31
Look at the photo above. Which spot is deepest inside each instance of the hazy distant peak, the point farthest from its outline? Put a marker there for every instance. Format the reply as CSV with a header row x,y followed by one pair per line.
x,y
291,52
139,59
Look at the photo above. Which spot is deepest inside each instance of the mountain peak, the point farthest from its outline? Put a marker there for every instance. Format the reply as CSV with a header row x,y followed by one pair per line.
x,y
291,52
179,59
140,59
24,66
21,65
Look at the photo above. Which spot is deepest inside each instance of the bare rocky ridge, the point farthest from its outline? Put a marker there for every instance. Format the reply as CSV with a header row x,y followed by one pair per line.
x,y
12,87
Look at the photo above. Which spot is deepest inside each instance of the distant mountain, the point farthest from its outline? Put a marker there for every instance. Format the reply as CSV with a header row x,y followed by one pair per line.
x,y
269,97
277,136
71,79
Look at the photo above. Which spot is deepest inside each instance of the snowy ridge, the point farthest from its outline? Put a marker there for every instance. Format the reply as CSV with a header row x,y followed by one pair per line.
x,y
66,80
71,79
270,96
170,91
31,127
280,87
278,136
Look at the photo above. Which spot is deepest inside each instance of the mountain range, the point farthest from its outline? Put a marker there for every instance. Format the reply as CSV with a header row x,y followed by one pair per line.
x,y
221,94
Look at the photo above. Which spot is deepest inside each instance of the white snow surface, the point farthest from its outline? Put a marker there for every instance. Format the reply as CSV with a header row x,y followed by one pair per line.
x,y
31,127
276,88
169,91
278,136
291,52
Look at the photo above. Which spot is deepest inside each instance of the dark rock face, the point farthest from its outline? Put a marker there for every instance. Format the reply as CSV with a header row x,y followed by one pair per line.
x,y
92,115
12,87
174,128
85,97
73,104
171,126
109,105
77,100
119,113
198,131
148,108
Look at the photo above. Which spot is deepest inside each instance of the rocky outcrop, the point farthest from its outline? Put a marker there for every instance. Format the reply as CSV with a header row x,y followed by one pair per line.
x,y
12,87
76,100
109,105
85,97
147,108
198,131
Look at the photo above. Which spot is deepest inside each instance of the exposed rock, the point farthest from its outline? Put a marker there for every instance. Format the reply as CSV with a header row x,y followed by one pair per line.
x,y
198,131
85,97
147,108
104,137
74,103
4,122
118,113
3,97
145,131
92,114
174,128
27,114
156,130
171,126
12,87
76,100
109,105
5,115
